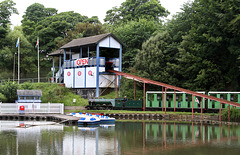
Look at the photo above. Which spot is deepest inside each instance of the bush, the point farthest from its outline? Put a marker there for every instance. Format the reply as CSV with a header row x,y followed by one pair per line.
x,y
2,98
53,93
9,90
234,114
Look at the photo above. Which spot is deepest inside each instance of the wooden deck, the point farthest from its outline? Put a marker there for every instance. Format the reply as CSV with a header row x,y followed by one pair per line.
x,y
59,118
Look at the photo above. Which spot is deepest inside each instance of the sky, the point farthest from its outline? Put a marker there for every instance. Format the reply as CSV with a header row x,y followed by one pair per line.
x,y
86,7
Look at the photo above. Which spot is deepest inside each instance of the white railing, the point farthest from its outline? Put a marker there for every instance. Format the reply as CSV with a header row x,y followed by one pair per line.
x,y
60,71
32,108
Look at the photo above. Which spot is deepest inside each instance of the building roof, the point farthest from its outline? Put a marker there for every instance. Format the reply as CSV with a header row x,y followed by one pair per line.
x,y
58,52
89,41
29,92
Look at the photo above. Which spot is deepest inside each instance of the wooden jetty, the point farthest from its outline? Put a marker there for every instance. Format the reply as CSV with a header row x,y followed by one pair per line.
x,y
59,118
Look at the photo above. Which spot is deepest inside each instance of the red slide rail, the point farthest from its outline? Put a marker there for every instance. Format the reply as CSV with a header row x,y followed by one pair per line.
x,y
167,86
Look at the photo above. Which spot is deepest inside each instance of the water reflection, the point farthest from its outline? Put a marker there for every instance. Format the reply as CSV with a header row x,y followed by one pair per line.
x,y
121,138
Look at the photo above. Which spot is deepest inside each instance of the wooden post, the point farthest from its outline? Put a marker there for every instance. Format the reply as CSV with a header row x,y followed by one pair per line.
x,y
201,108
144,97
165,100
174,100
116,86
162,99
220,112
229,113
192,105
134,89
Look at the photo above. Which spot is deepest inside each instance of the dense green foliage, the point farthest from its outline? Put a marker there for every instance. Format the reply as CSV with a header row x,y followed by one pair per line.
x,y
161,51
53,30
8,92
134,33
234,114
133,10
81,30
198,51
35,13
6,10
53,93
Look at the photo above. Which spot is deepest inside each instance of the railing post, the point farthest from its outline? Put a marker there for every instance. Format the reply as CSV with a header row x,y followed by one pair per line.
x,y
174,100
192,105
134,89
220,112
165,100
116,86
144,100
229,113
162,99
202,108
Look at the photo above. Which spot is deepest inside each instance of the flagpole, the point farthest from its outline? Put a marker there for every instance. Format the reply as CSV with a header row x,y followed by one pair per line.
x,y
38,61
14,66
18,62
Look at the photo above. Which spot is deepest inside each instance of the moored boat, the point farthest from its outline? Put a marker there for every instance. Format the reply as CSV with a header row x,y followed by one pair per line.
x,y
89,121
106,120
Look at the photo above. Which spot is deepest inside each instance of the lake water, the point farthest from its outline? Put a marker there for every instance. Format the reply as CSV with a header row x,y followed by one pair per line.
x,y
30,138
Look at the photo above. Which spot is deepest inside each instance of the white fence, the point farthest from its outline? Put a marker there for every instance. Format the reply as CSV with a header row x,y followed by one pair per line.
x,y
32,108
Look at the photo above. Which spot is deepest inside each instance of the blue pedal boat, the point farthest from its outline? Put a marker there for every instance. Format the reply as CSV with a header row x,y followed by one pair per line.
x,y
106,119
89,121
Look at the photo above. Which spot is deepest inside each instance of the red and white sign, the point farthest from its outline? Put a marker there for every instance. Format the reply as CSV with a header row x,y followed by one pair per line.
x,y
22,107
90,73
79,73
68,73
82,62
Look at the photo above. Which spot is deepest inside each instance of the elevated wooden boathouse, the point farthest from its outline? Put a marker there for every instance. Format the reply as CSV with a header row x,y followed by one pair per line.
x,y
84,60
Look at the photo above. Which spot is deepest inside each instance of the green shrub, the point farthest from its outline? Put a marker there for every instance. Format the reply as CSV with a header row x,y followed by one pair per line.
x,y
2,98
9,90
56,93
53,93
234,114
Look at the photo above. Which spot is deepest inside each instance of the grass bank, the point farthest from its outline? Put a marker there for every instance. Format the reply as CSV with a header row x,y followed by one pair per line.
x,y
56,93
140,112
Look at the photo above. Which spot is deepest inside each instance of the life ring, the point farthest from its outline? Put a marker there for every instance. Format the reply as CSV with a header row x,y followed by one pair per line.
x,y
22,107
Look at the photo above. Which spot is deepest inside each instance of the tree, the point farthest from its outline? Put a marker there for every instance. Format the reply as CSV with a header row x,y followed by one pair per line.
x,y
55,27
37,12
206,34
6,10
133,34
155,59
199,51
27,57
9,92
215,41
92,20
135,10
81,30
34,14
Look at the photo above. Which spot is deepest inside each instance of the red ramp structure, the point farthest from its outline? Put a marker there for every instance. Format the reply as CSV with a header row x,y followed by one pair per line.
x,y
165,87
